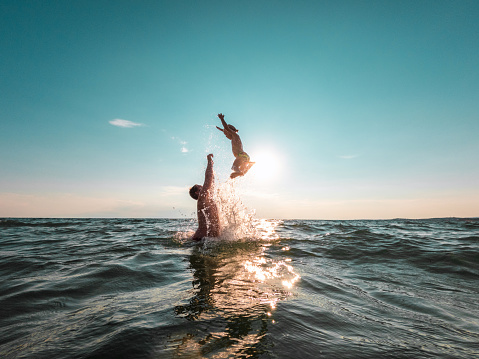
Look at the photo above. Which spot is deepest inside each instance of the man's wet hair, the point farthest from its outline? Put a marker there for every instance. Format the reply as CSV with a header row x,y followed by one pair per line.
x,y
194,192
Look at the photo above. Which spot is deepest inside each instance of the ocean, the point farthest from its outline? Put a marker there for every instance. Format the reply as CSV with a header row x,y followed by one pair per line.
x,y
138,288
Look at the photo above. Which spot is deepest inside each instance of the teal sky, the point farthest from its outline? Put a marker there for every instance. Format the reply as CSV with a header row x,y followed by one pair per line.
x,y
367,109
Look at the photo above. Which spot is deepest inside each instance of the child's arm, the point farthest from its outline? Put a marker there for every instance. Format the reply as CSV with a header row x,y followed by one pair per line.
x,y
220,129
225,125
209,175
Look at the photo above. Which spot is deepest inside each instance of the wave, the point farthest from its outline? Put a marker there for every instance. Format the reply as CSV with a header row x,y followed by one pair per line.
x,y
37,223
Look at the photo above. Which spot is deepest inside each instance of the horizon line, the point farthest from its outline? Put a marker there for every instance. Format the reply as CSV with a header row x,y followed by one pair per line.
x,y
281,219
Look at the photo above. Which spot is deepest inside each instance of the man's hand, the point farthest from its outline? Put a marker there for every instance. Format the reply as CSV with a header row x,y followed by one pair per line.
x,y
221,116
210,158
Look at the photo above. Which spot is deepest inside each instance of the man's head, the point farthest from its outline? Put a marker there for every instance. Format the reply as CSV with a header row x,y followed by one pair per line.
x,y
195,191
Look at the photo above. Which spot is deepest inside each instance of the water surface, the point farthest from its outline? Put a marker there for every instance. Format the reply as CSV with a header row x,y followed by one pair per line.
x,y
136,288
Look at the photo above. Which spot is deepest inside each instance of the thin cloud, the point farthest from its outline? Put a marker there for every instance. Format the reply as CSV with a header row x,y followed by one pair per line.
x,y
124,123
348,157
173,190
183,148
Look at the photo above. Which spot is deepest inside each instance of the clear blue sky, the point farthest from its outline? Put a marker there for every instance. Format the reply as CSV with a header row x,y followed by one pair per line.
x,y
368,109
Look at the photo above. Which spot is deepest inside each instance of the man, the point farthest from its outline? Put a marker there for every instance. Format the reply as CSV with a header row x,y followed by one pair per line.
x,y
206,209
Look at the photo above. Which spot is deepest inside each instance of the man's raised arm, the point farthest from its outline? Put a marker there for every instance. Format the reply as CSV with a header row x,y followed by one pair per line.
x,y
209,175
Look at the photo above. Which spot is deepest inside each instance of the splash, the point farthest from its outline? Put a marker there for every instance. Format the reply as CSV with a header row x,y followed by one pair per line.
x,y
237,220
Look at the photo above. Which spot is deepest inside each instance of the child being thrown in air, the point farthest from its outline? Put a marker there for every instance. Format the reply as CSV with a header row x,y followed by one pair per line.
x,y
242,163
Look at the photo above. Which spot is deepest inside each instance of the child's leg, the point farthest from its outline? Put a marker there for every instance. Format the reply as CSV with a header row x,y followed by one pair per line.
x,y
237,165
236,174
245,166
237,168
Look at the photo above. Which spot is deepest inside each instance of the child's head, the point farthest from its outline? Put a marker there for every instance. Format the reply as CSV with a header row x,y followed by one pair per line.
x,y
232,128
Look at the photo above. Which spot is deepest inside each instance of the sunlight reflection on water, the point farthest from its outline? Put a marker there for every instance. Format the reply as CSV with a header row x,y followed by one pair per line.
x,y
236,288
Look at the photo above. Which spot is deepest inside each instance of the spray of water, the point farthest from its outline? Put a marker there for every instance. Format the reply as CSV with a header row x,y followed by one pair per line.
x,y
237,221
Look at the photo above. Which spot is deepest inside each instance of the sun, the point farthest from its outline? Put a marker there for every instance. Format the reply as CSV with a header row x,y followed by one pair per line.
x,y
267,165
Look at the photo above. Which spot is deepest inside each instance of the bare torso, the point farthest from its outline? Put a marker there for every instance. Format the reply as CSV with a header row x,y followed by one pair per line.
x,y
236,144
206,208
208,217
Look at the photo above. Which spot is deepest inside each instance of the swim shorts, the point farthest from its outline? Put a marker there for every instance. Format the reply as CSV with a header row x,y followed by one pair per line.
x,y
244,156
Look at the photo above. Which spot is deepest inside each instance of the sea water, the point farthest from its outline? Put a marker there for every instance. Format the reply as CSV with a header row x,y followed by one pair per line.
x,y
138,288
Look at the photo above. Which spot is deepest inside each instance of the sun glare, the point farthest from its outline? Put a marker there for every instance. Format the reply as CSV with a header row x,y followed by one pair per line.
x,y
267,165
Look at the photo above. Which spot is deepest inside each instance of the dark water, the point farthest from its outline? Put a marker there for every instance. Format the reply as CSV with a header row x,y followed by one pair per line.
x,y
136,288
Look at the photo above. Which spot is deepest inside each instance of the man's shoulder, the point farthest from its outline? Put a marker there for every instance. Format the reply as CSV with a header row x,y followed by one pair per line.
x,y
202,197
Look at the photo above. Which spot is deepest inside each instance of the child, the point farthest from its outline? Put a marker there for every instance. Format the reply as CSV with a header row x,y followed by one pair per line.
x,y
242,163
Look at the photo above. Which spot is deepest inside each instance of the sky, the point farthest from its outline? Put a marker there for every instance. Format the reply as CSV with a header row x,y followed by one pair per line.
x,y
350,109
